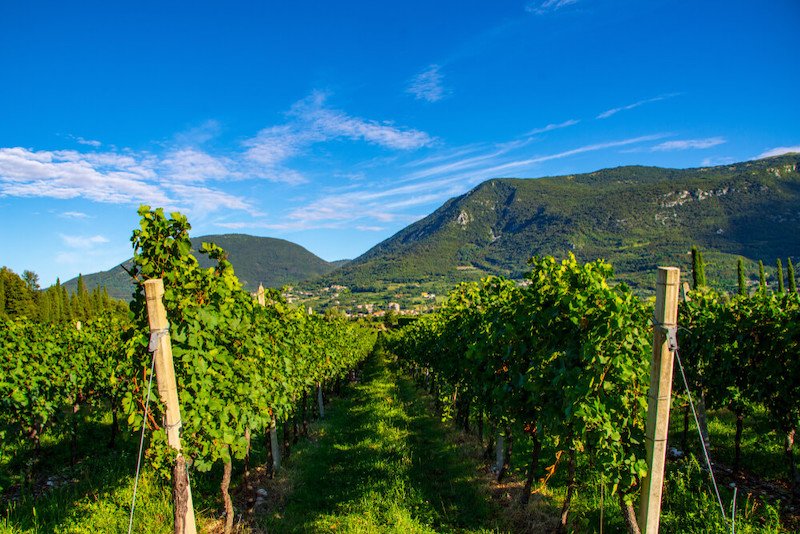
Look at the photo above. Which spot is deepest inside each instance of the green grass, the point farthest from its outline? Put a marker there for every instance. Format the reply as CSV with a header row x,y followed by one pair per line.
x,y
382,463
91,496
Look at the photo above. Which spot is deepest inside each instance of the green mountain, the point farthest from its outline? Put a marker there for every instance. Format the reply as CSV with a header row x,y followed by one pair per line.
x,y
635,217
272,262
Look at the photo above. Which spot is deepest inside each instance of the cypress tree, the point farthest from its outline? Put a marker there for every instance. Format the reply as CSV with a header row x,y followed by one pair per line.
x,y
698,269
46,306
58,305
742,280
792,279
779,274
84,300
762,277
66,307
2,296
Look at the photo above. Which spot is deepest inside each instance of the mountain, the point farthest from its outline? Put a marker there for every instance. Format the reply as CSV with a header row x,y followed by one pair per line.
x,y
273,262
635,217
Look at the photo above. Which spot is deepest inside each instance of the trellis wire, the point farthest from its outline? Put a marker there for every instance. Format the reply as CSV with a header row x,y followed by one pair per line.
x,y
673,341
141,442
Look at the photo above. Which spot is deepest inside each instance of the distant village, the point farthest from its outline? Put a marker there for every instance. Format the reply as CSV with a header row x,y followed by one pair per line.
x,y
359,304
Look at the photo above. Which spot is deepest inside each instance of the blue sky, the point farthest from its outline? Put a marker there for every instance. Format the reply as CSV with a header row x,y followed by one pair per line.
x,y
336,124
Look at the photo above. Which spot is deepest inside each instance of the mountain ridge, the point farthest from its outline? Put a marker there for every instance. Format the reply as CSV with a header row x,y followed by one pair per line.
x,y
636,217
272,261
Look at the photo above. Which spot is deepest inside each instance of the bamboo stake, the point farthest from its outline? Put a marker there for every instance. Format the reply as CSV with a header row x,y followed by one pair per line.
x,y
659,398
168,390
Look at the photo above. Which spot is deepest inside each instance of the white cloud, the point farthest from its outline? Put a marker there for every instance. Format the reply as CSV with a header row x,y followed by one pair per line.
x,y
109,178
205,200
366,228
199,134
89,142
326,124
114,178
777,151
547,6
551,127
311,122
427,85
83,242
276,144
574,151
76,215
687,144
613,111
192,165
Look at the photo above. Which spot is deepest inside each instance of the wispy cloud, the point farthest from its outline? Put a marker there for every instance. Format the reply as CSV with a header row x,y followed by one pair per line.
x,y
575,151
83,242
199,134
548,6
613,111
777,151
89,142
551,127
192,165
427,85
329,123
313,122
75,215
687,144
389,201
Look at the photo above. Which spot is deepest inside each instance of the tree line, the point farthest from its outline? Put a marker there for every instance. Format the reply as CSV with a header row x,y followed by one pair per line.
x,y
21,296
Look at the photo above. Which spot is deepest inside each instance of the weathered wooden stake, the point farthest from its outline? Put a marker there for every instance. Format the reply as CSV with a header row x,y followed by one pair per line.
x,y
659,398
168,390
274,446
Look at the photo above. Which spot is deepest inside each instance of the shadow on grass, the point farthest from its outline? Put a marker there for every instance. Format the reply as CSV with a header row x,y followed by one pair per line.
x,y
59,491
381,463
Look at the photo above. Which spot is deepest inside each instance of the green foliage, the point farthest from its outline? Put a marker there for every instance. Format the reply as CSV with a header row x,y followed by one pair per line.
x,y
19,298
791,276
779,275
762,277
741,351
565,356
237,364
690,507
47,369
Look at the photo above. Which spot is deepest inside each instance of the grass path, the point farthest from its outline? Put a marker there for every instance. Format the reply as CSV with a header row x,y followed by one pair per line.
x,y
383,463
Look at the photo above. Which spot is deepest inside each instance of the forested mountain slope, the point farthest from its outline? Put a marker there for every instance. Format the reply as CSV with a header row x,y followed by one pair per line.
x,y
272,262
635,217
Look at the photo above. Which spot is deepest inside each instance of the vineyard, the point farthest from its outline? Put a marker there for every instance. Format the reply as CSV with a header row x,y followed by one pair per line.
x,y
241,366
549,378
563,360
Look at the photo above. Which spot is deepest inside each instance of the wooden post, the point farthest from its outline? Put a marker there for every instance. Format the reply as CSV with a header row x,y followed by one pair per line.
x,y
168,390
659,398
273,427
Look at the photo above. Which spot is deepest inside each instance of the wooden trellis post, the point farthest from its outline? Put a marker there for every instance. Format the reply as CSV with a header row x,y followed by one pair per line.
x,y
659,398
168,391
